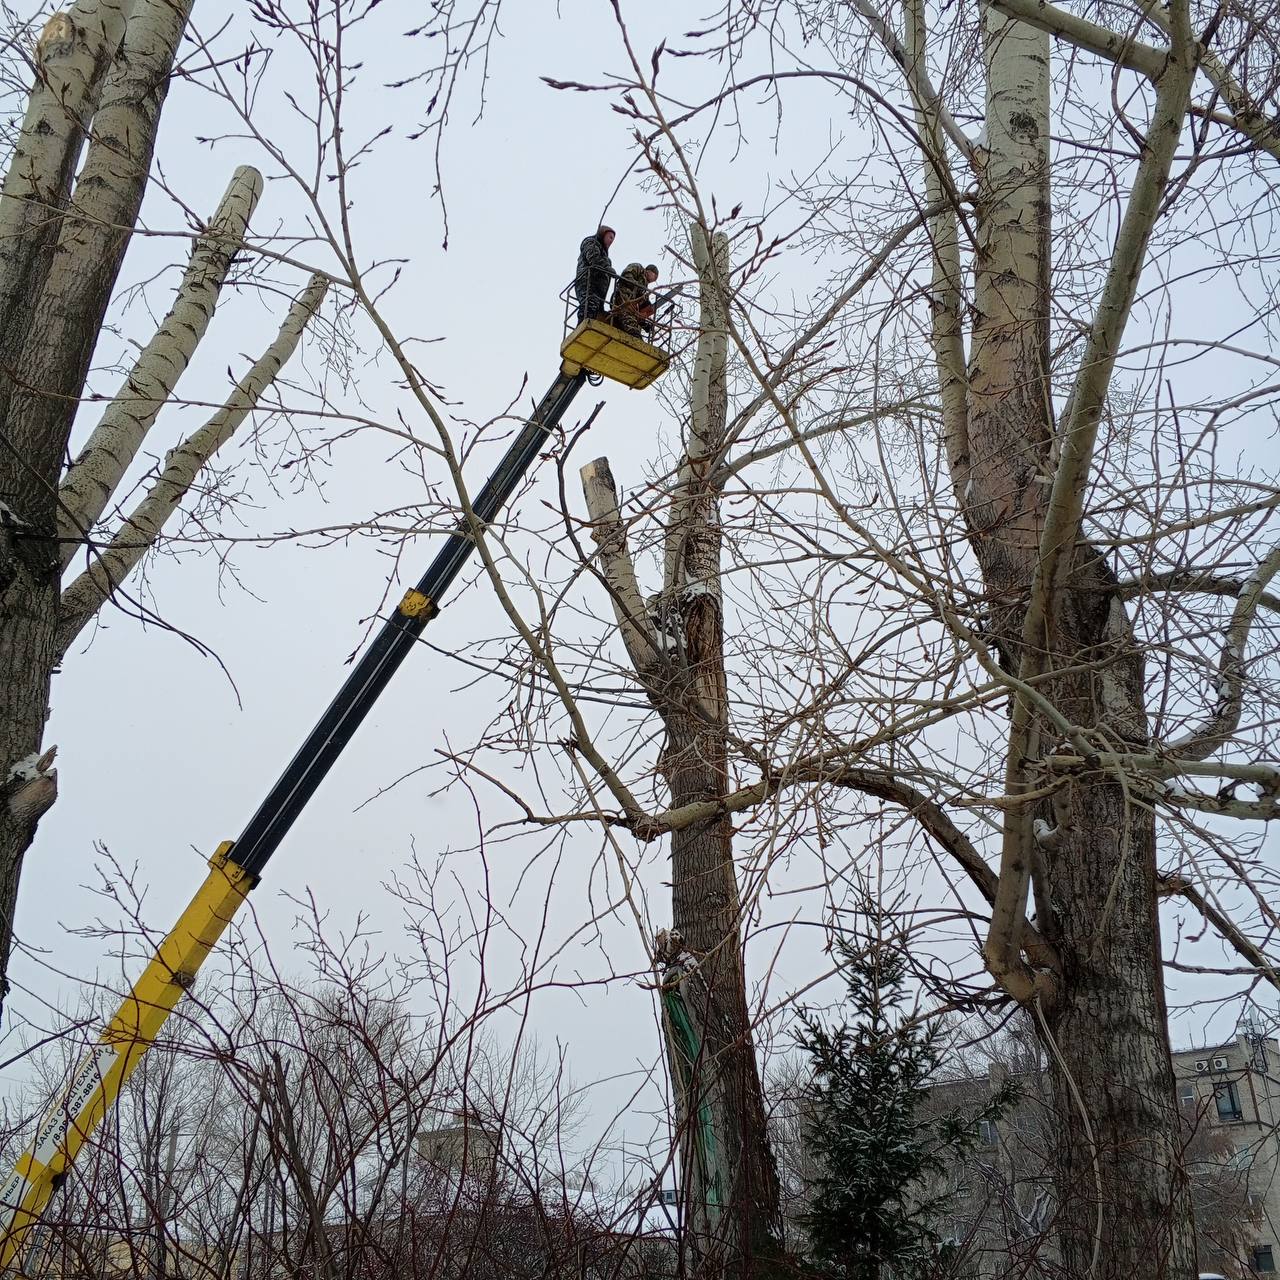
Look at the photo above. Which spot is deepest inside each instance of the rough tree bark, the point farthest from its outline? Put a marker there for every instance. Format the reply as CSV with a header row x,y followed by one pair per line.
x,y
1088,854
102,74
58,274
676,644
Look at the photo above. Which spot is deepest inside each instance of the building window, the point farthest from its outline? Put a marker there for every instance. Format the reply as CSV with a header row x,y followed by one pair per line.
x,y
1187,1095
1262,1259
987,1132
1227,1098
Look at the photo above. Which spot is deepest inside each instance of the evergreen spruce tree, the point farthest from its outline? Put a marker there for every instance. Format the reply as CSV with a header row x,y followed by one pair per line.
x,y
877,1202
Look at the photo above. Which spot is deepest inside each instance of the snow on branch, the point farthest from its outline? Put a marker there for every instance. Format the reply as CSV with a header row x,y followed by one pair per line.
x,y
30,787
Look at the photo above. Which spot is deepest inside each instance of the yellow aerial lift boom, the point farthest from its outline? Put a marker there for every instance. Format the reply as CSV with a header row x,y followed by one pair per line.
x,y
593,347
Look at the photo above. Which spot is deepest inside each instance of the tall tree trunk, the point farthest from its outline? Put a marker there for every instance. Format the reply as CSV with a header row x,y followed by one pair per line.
x,y
58,298
1123,1208
676,645
742,1232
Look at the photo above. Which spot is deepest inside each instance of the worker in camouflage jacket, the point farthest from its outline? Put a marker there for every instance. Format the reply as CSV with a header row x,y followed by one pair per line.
x,y
591,281
632,308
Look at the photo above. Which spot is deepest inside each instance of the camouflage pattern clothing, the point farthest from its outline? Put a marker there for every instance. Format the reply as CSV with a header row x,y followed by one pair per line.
x,y
631,306
591,280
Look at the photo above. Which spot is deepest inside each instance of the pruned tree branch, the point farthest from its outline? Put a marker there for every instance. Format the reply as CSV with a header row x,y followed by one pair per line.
x,y
619,571
82,599
92,478
72,56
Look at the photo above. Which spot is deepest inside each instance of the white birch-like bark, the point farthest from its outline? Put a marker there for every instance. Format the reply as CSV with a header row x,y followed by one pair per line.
x,y
49,353
137,533
1062,519
706,397
1123,49
616,565
93,476
72,56
109,186
1244,113
1010,418
1064,511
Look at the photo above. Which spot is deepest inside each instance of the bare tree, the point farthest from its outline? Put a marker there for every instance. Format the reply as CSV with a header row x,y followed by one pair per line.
x,y
953,478
287,1129
75,181
675,641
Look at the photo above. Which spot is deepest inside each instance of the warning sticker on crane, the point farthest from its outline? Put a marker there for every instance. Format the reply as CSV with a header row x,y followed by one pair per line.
x,y
11,1196
56,1126
86,1082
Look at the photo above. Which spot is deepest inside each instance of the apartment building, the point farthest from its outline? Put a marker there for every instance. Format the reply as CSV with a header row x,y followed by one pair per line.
x,y
1002,1201
1229,1095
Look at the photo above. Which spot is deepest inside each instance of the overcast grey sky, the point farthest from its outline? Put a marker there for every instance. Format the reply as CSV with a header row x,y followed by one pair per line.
x,y
160,757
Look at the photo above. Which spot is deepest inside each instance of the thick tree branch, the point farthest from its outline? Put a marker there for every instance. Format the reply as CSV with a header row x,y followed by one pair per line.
x,y
72,57
1076,443
1194,582
1246,117
619,571
138,532
932,817
65,320
92,478
1124,50
1224,717
1079,433
1011,413
698,479
946,298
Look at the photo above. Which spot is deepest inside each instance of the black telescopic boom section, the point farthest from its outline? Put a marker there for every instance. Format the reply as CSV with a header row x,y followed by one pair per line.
x,y
269,826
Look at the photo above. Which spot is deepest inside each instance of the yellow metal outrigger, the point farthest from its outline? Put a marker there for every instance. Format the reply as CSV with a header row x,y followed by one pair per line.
x,y
593,347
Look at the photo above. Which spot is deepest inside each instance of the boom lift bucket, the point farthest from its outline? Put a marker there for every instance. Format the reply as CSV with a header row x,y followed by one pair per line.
x,y
602,347
599,347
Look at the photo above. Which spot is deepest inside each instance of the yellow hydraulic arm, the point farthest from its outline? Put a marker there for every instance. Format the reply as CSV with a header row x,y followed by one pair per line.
x,y
101,1073
235,868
